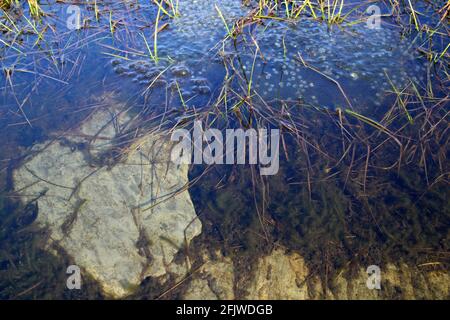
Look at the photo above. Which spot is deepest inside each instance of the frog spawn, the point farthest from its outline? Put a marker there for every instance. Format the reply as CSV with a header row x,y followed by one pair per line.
x,y
360,59
366,63
173,78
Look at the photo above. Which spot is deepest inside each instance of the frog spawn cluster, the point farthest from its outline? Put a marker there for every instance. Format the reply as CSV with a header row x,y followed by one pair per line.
x,y
365,62
175,77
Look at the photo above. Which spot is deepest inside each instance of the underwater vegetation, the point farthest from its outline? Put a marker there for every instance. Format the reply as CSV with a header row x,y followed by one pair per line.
x,y
364,115
334,221
27,271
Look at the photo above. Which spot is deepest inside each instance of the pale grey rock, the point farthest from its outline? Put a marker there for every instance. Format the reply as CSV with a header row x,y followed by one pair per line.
x,y
122,222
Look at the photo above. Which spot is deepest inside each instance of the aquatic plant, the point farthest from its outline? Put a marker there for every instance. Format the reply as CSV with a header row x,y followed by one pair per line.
x,y
33,6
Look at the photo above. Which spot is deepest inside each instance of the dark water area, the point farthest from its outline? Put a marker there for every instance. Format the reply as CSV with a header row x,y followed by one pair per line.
x,y
364,115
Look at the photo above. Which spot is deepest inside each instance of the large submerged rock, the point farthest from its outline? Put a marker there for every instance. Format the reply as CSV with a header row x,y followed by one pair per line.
x,y
121,222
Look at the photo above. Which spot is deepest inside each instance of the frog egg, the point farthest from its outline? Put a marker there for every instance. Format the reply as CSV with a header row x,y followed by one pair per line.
x,y
120,69
115,62
130,74
354,76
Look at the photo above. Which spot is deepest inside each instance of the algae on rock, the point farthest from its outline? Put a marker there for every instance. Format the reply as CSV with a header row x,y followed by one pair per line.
x,y
285,276
213,281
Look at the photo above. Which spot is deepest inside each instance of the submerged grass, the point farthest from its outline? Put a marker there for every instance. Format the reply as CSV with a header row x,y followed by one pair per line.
x,y
334,180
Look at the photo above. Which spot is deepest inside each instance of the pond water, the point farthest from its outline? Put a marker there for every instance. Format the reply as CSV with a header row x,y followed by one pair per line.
x,y
363,170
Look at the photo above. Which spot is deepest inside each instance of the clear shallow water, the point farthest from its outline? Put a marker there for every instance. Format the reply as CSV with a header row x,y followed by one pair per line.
x,y
191,45
58,83
359,58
